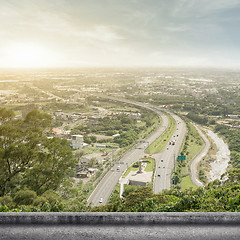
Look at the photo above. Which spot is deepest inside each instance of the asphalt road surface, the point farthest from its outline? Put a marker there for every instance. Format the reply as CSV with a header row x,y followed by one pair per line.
x,y
198,158
165,160
102,192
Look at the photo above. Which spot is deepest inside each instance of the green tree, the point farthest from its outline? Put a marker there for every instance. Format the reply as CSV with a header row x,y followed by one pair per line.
x,y
25,197
52,166
38,119
92,162
28,158
6,114
79,154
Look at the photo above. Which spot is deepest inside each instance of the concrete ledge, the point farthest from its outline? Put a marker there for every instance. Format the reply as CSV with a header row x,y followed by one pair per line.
x,y
173,218
104,226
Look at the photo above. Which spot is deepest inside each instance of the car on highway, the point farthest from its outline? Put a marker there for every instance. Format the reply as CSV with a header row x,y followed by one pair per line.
x,y
101,200
158,175
118,168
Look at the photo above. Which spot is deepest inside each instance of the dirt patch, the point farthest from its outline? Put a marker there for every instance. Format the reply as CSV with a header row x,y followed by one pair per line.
x,y
220,165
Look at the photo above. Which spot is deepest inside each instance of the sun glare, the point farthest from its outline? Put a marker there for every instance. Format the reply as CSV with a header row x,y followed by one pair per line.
x,y
27,56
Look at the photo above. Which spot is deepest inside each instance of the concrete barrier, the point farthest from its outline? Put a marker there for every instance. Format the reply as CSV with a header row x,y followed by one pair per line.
x,y
119,226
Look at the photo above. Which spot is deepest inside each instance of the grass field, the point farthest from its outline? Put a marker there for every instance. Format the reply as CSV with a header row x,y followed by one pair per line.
x,y
150,165
193,143
163,140
90,150
149,168
187,183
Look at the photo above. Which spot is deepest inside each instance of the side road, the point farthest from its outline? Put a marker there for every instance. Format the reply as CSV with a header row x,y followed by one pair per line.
x,y
198,158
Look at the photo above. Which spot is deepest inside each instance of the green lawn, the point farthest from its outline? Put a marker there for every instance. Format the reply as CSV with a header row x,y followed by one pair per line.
x,y
150,165
90,150
149,168
193,143
131,168
187,183
163,140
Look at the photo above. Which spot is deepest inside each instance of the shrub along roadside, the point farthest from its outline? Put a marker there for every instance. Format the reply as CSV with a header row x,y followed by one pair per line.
x,y
193,143
217,196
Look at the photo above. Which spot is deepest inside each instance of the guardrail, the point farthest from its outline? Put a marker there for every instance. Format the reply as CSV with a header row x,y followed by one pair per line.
x,y
120,226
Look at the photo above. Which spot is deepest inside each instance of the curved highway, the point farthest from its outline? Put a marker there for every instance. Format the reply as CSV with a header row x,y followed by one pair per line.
x,y
103,190
198,158
165,160
162,178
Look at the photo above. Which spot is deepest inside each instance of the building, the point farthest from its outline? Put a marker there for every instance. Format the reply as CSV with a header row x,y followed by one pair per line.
x,y
82,175
57,131
77,141
139,179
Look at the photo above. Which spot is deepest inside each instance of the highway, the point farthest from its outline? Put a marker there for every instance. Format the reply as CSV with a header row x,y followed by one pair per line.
x,y
104,189
162,178
165,160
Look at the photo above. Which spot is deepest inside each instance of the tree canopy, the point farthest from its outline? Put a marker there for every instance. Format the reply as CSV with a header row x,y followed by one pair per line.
x,y
217,196
29,159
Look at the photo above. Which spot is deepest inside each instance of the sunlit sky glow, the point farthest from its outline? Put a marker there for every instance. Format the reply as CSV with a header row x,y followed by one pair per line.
x,y
75,33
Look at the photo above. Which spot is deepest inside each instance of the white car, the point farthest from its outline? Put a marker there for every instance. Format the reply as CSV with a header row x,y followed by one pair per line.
x,y
101,200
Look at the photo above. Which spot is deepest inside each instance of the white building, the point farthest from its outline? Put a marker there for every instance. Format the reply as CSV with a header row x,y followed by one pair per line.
x,y
77,141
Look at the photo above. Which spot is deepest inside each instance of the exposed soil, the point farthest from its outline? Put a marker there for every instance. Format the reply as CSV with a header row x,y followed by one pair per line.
x,y
220,165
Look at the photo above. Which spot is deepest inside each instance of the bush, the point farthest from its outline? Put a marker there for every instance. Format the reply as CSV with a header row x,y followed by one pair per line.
x,y
4,208
39,201
51,197
25,197
6,201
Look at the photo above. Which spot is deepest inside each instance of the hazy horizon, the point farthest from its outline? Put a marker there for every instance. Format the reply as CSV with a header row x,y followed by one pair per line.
x,y
55,34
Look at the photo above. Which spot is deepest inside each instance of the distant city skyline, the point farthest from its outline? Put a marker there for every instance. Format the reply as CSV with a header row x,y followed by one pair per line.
x,y
119,33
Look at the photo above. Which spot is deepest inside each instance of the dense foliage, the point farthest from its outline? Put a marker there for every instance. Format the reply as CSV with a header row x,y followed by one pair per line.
x,y
28,159
127,128
196,118
192,144
217,196
233,138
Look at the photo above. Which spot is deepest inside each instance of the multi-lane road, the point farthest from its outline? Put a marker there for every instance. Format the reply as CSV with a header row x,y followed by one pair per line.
x,y
104,189
164,160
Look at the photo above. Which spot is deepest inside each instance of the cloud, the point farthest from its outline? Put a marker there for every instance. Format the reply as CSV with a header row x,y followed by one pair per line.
x,y
202,8
177,28
99,33
125,31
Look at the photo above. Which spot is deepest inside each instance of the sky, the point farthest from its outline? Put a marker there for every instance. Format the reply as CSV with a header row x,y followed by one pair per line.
x,y
119,33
